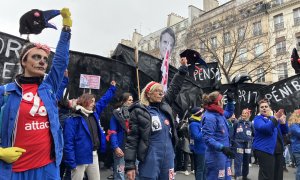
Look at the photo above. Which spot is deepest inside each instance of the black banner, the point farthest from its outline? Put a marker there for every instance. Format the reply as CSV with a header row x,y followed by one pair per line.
x,y
284,94
122,68
202,77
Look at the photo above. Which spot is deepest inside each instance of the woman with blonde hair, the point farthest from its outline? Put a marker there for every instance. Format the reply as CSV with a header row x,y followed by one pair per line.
x,y
294,123
152,134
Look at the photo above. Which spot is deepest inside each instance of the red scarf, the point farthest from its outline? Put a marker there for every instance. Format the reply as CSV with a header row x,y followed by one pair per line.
x,y
214,108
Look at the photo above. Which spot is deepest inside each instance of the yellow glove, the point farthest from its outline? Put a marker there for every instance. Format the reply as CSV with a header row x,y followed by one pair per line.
x,y
66,14
11,154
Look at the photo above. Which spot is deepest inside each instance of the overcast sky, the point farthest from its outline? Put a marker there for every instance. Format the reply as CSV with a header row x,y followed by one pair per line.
x,y
98,25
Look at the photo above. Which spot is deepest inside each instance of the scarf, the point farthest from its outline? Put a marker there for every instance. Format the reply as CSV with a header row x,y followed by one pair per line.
x,y
214,108
83,110
29,80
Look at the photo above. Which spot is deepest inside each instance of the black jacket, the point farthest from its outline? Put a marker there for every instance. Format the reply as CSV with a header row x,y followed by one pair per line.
x,y
137,143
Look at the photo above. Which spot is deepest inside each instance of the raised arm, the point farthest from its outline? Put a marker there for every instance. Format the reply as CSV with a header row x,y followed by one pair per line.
x,y
106,98
63,85
176,84
61,56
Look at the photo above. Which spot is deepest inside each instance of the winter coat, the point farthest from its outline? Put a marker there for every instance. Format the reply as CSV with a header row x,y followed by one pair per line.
x,y
197,144
265,134
137,143
215,128
47,91
118,129
78,148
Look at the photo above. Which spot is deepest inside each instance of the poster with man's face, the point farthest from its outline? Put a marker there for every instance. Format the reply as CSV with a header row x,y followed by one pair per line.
x,y
167,40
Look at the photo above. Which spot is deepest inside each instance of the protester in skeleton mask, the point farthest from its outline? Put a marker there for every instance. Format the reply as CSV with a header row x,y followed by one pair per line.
x,y
152,135
84,136
117,133
31,138
268,141
243,132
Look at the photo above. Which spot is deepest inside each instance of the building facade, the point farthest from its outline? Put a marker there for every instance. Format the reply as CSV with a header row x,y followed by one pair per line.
x,y
254,37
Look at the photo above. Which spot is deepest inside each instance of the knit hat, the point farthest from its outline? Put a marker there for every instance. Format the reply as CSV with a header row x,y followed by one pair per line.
x,y
197,111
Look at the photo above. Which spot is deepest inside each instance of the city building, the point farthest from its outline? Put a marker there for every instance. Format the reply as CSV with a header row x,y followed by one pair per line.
x,y
245,37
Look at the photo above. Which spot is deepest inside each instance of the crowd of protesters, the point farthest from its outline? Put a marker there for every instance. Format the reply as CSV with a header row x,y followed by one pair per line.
x,y
146,139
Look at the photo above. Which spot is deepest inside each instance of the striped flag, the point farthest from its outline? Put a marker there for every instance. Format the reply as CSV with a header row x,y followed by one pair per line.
x,y
165,69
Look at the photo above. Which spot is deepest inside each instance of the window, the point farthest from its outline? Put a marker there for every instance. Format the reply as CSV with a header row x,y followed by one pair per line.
x,y
298,42
278,1
243,54
214,44
282,71
297,16
257,29
227,59
260,73
278,22
258,49
280,45
202,47
227,38
241,34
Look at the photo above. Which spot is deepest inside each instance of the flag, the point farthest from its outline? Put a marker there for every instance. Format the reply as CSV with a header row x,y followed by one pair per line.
x,y
165,69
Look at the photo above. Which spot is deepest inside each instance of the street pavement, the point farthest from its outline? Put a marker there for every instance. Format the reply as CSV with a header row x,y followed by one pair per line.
x,y
253,174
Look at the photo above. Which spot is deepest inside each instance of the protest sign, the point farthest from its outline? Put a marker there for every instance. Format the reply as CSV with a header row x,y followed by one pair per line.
x,y
89,81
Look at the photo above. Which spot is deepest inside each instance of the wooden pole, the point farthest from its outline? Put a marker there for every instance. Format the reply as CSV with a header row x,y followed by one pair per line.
x,y
136,58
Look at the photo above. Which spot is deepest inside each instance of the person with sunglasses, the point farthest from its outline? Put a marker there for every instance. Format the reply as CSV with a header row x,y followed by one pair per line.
x,y
268,141
152,134
31,139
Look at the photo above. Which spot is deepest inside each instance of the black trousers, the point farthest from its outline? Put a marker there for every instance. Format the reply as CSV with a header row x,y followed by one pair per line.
x,y
270,166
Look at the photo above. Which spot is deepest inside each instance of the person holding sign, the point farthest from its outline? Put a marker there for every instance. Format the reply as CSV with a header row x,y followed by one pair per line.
x,y
243,132
268,141
84,136
167,41
216,135
152,134
31,137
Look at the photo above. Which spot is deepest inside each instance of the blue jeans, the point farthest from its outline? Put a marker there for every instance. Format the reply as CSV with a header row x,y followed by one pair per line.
x,y
199,160
119,165
297,159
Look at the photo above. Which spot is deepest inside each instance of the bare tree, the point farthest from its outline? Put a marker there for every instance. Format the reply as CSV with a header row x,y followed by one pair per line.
x,y
238,42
